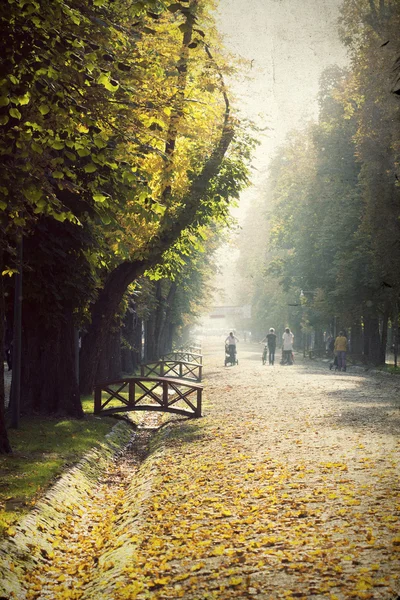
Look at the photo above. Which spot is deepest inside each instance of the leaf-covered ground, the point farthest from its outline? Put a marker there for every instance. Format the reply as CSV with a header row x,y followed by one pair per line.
x,y
287,488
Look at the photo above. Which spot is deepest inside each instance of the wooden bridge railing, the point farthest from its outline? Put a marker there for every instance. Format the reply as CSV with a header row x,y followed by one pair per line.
x,y
184,356
163,394
172,368
189,348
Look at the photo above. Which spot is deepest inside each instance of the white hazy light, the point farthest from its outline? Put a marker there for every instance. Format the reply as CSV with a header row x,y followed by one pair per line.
x,y
288,44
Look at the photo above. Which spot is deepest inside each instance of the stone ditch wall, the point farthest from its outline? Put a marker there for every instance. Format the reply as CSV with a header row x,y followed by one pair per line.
x,y
116,557
32,541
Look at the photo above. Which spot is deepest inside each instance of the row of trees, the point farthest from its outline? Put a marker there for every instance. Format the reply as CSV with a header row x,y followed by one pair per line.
x,y
329,256
119,159
160,313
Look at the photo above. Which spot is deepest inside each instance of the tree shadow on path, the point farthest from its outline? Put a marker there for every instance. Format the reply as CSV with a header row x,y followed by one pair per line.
x,y
370,405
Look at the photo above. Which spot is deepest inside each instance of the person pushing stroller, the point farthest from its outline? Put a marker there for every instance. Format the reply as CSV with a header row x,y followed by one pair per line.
x,y
230,349
287,347
340,349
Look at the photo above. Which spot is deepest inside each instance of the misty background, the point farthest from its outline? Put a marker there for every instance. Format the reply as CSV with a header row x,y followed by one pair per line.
x,y
286,44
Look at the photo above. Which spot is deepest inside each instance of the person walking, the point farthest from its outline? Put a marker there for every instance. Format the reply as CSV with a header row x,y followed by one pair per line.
x,y
340,349
287,347
270,339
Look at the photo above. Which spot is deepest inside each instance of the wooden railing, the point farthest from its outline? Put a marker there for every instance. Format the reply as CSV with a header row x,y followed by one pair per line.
x,y
189,348
183,356
163,394
172,368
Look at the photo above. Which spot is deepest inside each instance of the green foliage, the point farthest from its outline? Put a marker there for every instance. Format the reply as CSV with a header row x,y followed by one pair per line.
x,y
333,222
115,129
92,100
83,124
55,138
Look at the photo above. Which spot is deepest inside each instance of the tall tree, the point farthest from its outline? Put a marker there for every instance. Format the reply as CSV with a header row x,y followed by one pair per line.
x,y
120,124
206,195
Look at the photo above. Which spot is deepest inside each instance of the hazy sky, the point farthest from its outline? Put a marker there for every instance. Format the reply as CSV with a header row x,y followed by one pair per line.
x,y
287,43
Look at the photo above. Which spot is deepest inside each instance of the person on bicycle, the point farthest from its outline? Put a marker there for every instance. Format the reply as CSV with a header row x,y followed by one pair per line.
x,y
270,340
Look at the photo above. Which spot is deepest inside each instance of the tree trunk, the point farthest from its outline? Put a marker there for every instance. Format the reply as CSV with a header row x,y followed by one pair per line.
x,y
158,319
395,326
366,337
48,376
297,338
103,313
384,338
319,339
163,342
151,345
137,351
170,336
179,99
102,366
145,344
5,447
106,306
110,358
186,334
375,341
114,354
356,338
127,352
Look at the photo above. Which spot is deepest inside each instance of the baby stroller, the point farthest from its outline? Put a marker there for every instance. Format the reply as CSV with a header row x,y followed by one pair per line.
x,y
286,360
230,355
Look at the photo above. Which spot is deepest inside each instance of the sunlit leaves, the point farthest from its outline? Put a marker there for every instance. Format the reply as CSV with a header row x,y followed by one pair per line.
x,y
110,84
15,113
90,168
33,193
99,197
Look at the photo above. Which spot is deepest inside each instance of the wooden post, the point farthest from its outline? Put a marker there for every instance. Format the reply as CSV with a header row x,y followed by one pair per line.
x,y
131,393
198,408
165,394
200,372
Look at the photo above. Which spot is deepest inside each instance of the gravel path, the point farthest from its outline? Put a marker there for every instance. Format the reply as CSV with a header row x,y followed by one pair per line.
x,y
287,488
336,437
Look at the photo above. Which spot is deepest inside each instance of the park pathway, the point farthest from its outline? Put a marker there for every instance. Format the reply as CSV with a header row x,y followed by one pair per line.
x,y
287,488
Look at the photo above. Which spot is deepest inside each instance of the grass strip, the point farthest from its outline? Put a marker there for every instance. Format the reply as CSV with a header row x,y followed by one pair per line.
x,y
42,449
